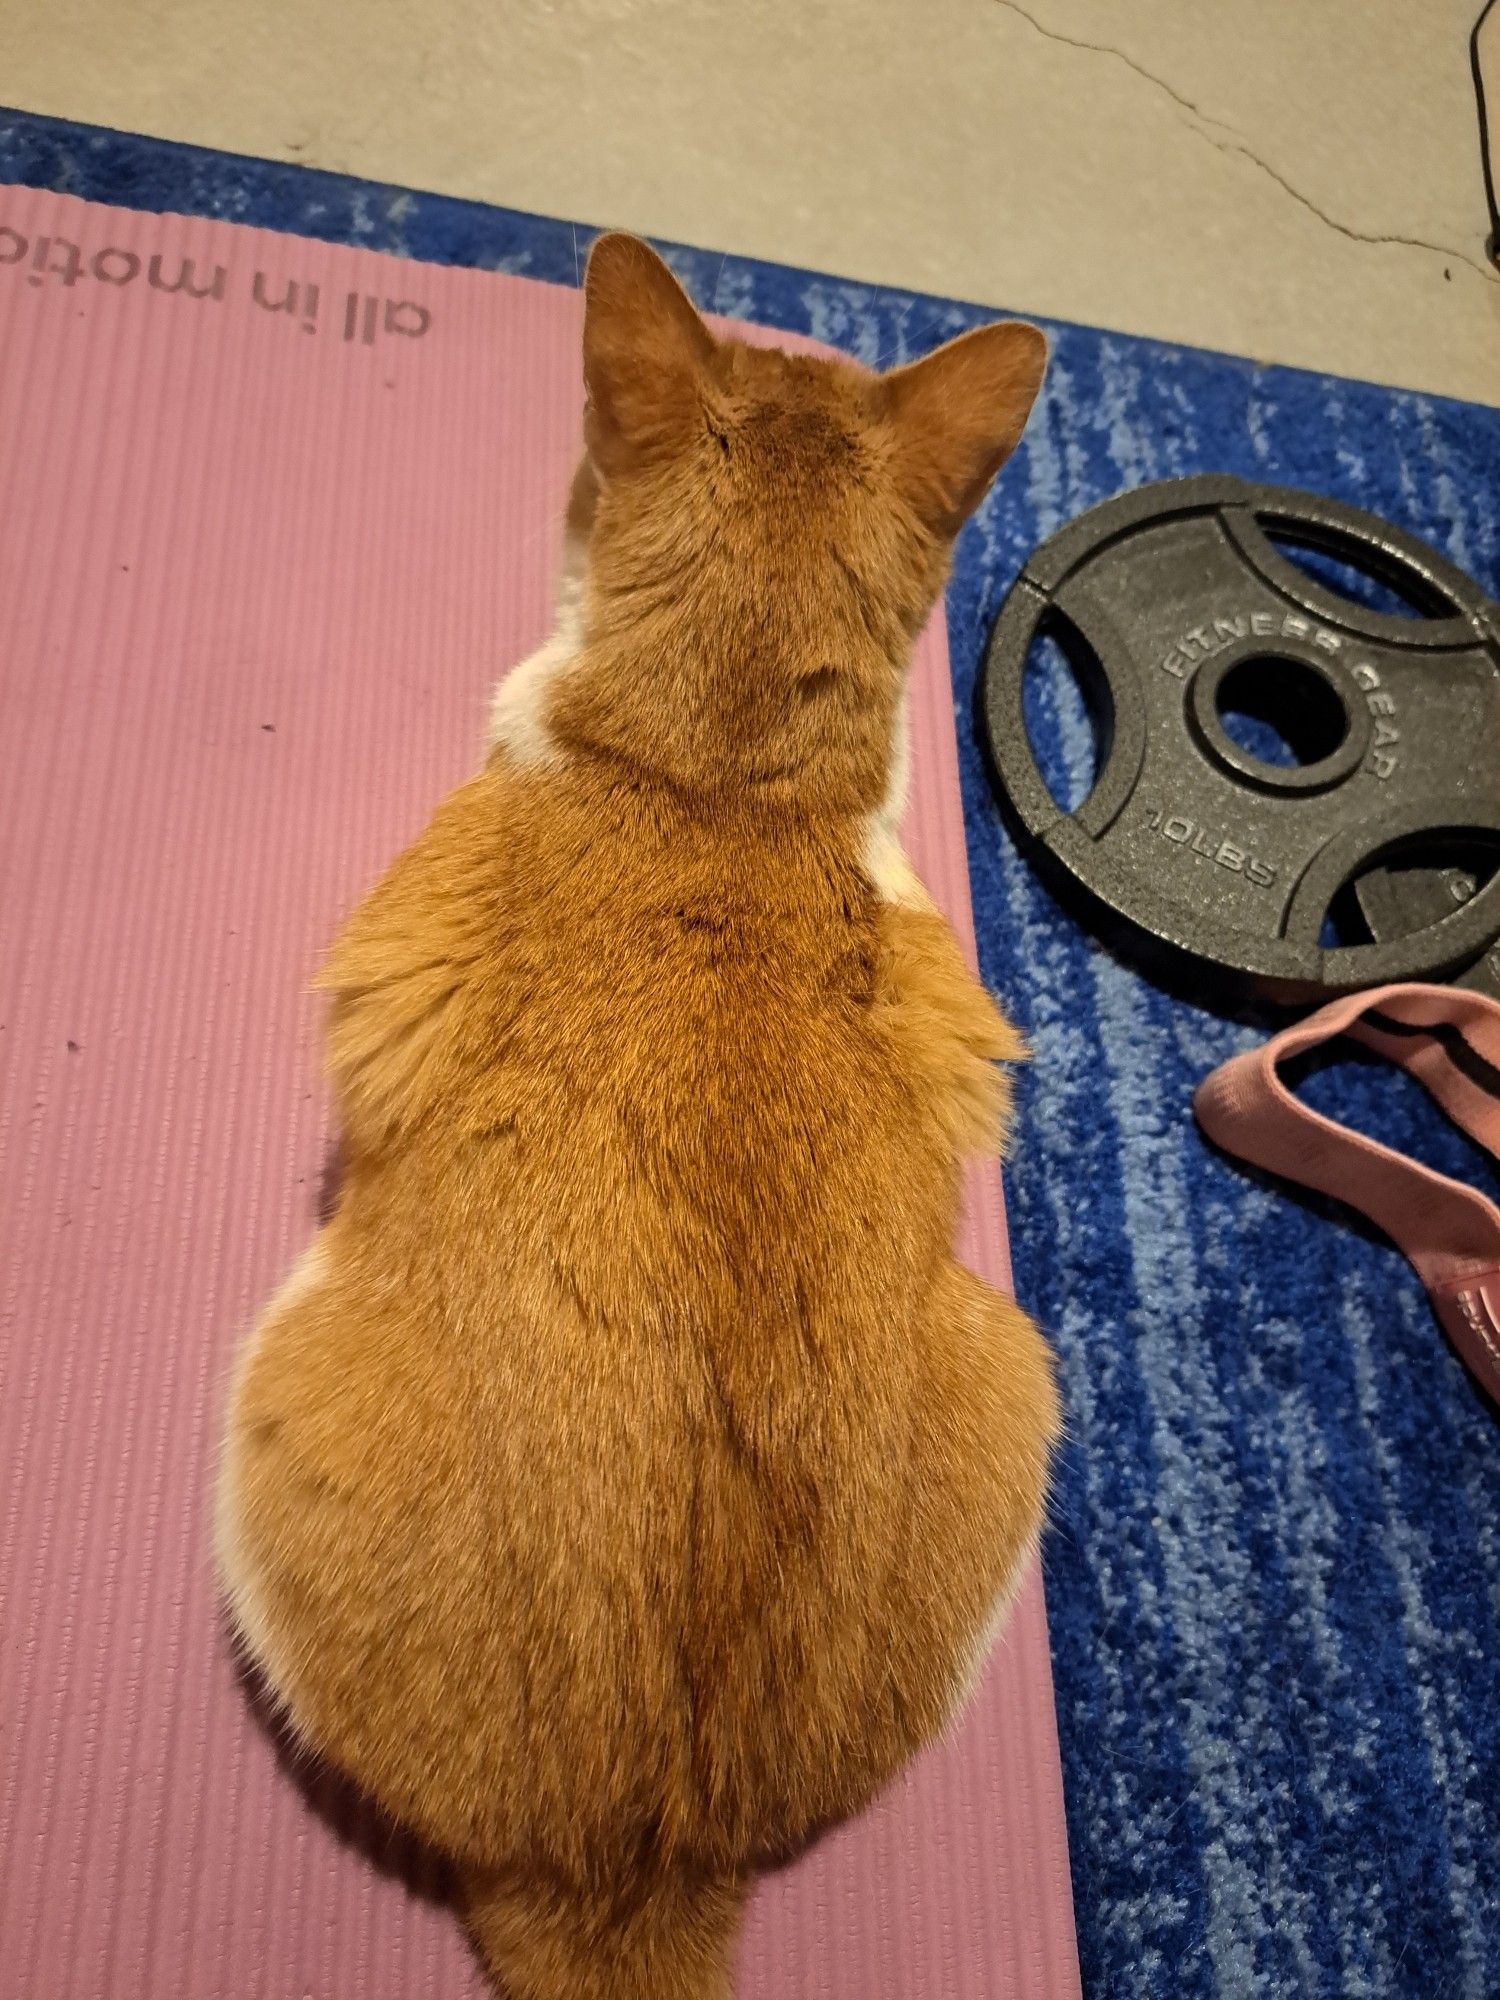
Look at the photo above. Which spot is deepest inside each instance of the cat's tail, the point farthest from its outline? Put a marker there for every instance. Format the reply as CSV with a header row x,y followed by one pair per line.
x,y
670,1941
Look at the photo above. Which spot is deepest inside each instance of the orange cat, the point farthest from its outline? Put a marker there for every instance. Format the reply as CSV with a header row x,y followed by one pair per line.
x,y
628,1479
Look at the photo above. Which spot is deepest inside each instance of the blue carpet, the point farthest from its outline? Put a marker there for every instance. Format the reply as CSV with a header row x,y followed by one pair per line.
x,y
1274,1574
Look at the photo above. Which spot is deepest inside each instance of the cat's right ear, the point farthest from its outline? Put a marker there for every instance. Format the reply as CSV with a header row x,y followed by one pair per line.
x,y
644,350
958,415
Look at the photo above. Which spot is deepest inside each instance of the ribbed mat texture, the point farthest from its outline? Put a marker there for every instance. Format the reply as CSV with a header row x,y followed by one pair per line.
x,y
273,515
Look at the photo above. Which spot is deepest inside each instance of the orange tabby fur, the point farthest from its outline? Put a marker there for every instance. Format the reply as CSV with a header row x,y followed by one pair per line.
x,y
621,1489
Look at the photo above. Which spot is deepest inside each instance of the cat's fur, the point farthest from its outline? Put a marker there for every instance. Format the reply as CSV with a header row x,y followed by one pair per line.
x,y
623,1486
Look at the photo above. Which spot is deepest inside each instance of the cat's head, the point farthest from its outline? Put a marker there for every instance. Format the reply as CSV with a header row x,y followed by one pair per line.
x,y
774,528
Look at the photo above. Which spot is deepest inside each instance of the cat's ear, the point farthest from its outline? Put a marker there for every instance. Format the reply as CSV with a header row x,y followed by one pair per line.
x,y
644,348
958,415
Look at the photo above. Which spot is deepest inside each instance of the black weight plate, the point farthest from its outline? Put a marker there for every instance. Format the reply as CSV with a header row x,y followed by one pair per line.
x,y
1181,600
1396,901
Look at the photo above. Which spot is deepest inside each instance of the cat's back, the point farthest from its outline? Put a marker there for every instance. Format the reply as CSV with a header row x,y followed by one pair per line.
x,y
601,1009
658,1150
612,1327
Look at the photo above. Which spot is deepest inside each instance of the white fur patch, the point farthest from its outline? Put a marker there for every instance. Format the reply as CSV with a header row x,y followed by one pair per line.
x,y
891,874
968,1680
518,708
893,805
310,1269
883,858
241,1585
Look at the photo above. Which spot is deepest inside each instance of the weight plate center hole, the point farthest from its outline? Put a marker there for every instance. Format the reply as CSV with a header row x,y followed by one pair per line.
x,y
1281,711
1278,721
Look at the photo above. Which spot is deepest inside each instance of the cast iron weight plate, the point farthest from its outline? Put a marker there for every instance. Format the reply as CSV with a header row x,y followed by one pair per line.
x,y
1177,599
1395,901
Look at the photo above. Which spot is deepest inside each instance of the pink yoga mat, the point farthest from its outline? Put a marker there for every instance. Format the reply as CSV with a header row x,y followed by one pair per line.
x,y
273,516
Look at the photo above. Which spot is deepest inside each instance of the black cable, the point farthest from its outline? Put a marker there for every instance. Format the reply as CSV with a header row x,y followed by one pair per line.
x,y
1492,242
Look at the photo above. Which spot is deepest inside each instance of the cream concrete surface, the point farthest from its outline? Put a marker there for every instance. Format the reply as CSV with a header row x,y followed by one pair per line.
x,y
1293,179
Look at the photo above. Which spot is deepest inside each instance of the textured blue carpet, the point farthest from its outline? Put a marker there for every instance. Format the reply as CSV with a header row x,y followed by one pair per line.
x,y
1274,1575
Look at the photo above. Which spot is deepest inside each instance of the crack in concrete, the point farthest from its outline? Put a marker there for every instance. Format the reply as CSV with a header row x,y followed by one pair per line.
x,y
1236,145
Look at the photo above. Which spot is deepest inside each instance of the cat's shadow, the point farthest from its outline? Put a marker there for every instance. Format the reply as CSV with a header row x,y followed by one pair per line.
x,y
330,1182
352,1816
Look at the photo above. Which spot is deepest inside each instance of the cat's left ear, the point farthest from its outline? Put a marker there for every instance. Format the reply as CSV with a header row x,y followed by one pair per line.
x,y
958,414
644,350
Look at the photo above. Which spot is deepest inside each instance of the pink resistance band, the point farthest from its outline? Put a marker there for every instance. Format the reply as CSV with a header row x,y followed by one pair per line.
x,y
1449,1039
